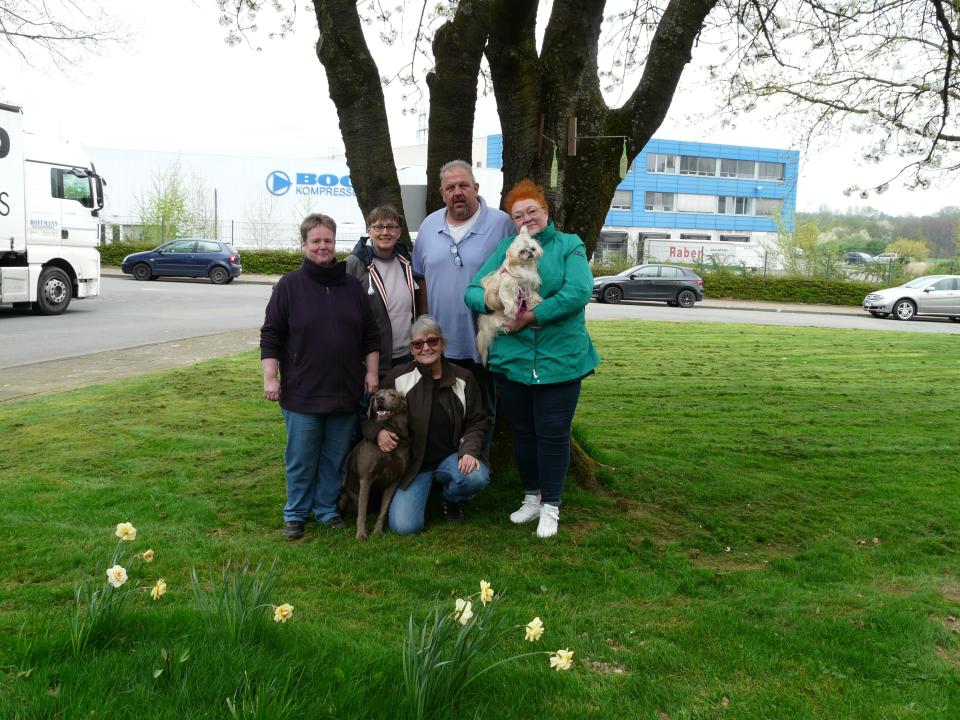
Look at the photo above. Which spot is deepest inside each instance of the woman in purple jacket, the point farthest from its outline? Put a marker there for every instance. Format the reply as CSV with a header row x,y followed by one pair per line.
x,y
319,348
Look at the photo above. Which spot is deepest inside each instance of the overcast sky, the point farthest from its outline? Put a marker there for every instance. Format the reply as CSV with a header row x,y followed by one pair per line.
x,y
175,85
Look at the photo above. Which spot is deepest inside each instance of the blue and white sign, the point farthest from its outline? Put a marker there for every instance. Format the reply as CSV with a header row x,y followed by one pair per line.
x,y
311,184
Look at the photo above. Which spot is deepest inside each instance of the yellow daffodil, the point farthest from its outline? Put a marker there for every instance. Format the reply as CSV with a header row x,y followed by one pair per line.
x,y
463,610
159,589
116,576
282,613
486,592
561,660
534,630
148,556
126,531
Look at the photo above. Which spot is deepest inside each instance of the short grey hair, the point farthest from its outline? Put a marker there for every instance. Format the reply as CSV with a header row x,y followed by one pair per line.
x,y
426,325
456,165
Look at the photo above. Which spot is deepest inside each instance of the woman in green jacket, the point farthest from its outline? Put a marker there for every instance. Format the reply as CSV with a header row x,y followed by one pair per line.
x,y
539,363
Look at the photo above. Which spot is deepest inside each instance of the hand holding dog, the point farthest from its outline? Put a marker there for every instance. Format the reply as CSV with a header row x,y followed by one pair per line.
x,y
387,441
525,318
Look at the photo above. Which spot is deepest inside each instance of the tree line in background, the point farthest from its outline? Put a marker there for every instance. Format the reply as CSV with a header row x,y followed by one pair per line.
x,y
918,237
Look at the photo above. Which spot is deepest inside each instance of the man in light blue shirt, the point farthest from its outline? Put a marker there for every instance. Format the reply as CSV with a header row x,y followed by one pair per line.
x,y
452,244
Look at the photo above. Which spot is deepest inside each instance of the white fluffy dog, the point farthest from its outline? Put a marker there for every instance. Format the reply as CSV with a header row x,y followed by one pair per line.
x,y
510,289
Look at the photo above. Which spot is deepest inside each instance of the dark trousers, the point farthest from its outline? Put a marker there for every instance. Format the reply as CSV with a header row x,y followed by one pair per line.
x,y
488,395
541,417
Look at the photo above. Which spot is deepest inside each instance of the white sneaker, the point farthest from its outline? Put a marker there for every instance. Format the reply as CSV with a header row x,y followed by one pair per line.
x,y
549,517
529,510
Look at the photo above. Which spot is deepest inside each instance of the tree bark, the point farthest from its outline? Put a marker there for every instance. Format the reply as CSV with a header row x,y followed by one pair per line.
x,y
457,50
355,89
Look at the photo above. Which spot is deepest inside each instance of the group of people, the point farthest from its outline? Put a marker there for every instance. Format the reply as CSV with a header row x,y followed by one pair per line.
x,y
335,332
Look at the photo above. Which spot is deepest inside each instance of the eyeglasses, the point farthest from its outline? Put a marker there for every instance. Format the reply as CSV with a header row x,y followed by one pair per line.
x,y
430,342
381,228
455,251
528,213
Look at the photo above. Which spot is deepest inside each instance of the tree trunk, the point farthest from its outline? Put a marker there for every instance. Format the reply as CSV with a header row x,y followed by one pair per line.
x,y
355,89
457,50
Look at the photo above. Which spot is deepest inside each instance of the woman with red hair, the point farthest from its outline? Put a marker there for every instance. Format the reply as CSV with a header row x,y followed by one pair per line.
x,y
540,361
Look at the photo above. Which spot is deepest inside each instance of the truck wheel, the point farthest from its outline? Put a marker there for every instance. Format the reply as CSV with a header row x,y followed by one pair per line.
x,y
54,292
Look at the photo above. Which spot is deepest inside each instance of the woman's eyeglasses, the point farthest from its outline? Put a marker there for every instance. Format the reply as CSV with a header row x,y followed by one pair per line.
x,y
382,228
455,251
430,341
528,213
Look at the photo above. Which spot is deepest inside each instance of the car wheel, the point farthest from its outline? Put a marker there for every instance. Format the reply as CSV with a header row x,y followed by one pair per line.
x,y
879,314
230,280
54,292
612,295
686,298
954,318
142,271
219,275
904,309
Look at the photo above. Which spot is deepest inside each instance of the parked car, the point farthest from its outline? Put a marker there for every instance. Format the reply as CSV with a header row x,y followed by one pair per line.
x,y
187,257
885,258
858,258
928,295
673,284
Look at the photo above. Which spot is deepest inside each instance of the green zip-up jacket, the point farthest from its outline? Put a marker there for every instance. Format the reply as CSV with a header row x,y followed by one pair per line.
x,y
557,347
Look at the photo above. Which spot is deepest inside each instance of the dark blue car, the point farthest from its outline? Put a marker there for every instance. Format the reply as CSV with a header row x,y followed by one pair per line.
x,y
187,257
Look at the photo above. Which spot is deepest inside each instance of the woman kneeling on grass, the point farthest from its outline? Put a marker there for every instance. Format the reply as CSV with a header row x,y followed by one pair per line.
x,y
539,363
447,422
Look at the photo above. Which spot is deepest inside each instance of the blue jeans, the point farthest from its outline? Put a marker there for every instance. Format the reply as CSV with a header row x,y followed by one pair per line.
x,y
317,444
541,417
408,506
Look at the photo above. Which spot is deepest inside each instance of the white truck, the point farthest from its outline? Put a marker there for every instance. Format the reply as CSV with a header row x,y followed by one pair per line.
x,y
50,202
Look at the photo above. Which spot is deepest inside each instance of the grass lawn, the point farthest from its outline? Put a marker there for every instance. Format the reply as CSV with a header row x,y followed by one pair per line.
x,y
777,537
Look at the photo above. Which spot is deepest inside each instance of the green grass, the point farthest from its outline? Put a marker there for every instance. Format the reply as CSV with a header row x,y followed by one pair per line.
x,y
727,570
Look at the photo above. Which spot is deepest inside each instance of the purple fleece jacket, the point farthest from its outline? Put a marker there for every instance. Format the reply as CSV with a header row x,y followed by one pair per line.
x,y
319,326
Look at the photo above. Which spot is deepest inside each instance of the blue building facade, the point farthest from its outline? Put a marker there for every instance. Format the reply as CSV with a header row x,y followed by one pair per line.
x,y
691,200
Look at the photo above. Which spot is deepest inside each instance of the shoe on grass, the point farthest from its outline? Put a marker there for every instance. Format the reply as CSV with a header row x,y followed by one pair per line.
x,y
293,529
549,518
452,512
529,510
335,524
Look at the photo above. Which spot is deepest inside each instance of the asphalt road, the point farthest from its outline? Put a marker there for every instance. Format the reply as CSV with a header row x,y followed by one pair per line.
x,y
132,314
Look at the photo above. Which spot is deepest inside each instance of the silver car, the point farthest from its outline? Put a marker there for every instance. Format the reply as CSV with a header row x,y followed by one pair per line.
x,y
928,295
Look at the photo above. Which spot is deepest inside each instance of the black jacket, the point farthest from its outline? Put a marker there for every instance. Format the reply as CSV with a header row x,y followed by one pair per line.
x,y
319,326
360,265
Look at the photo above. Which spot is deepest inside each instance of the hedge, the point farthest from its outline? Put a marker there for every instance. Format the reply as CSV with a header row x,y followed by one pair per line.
x,y
780,288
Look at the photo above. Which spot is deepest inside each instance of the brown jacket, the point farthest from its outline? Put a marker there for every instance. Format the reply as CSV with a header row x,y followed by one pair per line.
x,y
460,399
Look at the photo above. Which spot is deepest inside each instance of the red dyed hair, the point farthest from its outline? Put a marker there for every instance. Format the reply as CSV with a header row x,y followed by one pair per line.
x,y
525,190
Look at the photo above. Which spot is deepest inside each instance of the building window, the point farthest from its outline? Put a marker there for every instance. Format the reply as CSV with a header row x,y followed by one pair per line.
x,y
696,203
690,236
737,169
659,202
769,206
735,238
771,172
660,163
622,200
692,165
727,205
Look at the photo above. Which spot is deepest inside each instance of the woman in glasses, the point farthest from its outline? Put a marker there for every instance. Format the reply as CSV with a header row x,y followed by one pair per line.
x,y
446,421
539,363
384,269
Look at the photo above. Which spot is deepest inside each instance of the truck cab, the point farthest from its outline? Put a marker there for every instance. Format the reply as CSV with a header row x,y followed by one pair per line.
x,y
50,202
